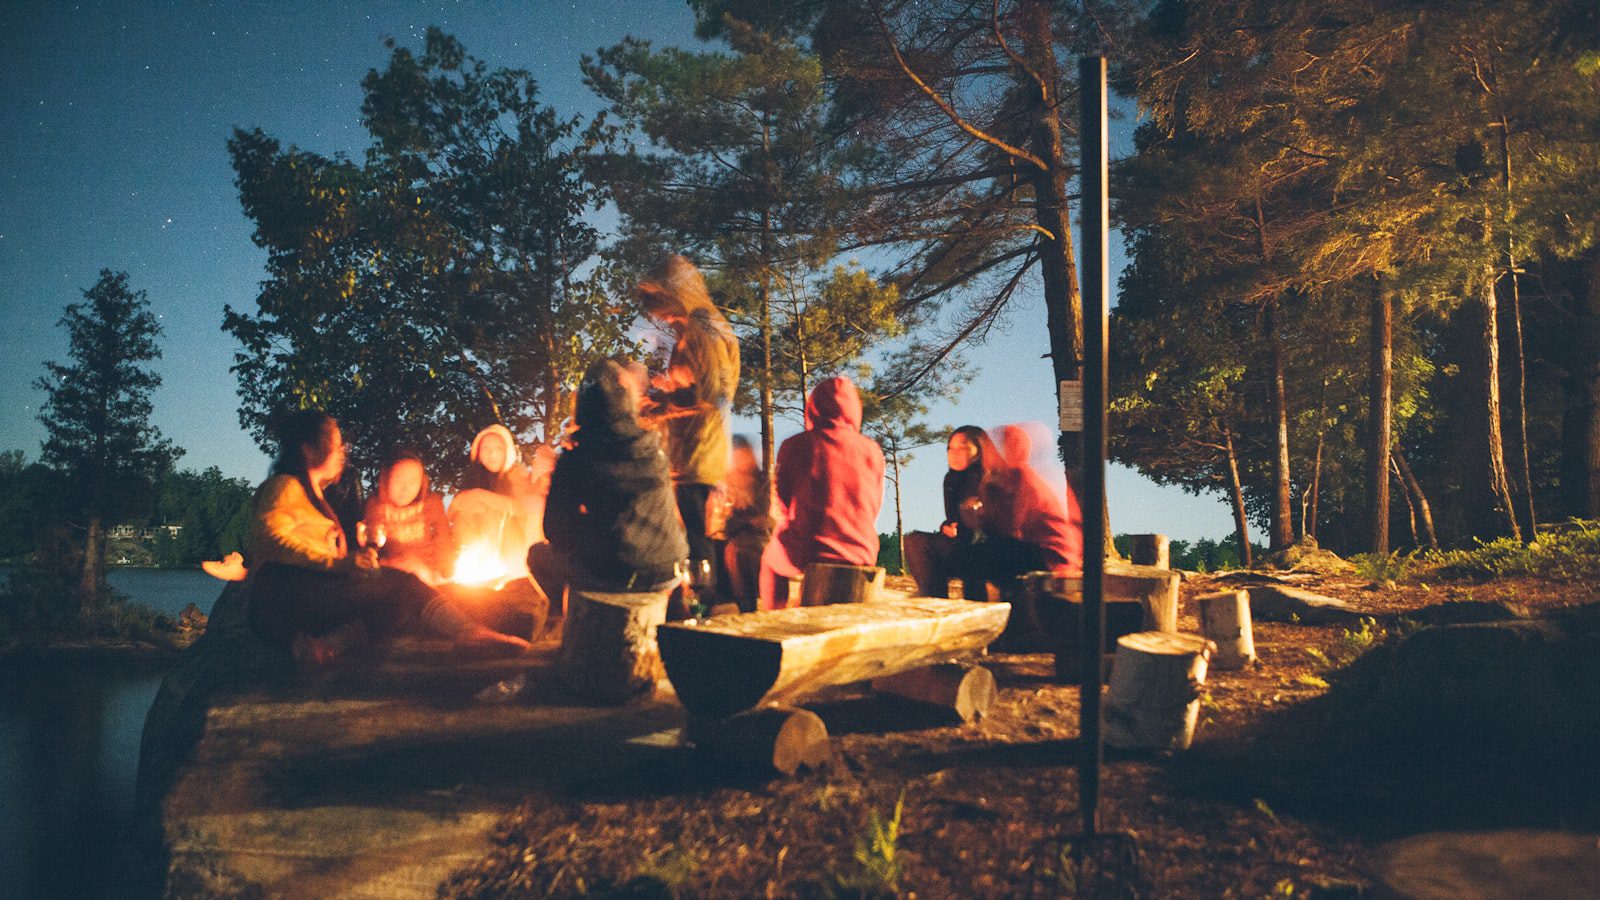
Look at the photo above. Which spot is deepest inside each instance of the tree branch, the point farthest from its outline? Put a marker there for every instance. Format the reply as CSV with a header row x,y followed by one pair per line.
x,y
944,105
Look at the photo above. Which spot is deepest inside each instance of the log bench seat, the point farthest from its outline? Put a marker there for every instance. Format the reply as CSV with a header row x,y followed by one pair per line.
x,y
741,677
728,664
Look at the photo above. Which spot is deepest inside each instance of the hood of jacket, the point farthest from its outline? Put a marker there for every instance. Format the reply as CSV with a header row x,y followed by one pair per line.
x,y
504,434
834,403
607,413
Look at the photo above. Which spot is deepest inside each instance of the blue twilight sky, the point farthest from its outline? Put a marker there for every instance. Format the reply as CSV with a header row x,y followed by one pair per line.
x,y
113,118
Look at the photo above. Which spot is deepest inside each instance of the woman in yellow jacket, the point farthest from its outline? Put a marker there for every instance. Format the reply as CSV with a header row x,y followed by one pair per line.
x,y
307,589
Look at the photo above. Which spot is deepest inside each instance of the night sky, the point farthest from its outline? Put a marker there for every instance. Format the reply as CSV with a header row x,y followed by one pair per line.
x,y
113,118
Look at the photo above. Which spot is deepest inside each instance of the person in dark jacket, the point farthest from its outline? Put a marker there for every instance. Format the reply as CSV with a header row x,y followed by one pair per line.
x,y
829,483
931,557
611,518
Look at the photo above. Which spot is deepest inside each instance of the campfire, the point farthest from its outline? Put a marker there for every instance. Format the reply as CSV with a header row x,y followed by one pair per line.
x,y
480,564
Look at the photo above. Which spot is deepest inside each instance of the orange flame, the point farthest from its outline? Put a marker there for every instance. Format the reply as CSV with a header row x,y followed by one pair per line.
x,y
480,563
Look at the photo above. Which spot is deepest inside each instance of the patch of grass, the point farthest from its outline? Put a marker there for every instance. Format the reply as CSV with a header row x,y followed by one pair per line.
x,y
1382,567
1568,552
1264,809
1352,644
878,865
672,868
1311,681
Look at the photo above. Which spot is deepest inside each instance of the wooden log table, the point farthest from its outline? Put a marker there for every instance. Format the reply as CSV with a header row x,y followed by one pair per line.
x,y
728,664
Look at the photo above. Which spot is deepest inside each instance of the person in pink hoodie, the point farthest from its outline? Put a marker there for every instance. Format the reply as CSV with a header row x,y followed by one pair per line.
x,y
1040,515
829,484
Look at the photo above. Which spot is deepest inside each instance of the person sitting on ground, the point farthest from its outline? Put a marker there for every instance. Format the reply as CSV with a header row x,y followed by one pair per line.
x,y
829,482
308,591
500,500
611,519
748,526
406,522
693,397
931,557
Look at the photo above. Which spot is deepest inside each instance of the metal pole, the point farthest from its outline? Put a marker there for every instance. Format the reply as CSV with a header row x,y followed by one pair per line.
x,y
1093,261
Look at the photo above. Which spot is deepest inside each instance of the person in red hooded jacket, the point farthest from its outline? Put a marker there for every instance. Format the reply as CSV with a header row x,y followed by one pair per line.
x,y
1040,515
829,484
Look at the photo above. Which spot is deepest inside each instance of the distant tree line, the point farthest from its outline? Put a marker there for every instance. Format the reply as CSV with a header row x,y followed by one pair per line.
x,y
37,514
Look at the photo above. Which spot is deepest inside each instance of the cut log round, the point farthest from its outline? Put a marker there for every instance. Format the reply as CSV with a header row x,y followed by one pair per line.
x,y
723,665
965,691
829,583
1153,701
1225,621
1156,588
778,739
608,644
1151,550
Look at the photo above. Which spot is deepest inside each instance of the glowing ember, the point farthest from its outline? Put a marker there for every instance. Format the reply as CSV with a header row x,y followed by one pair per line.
x,y
480,563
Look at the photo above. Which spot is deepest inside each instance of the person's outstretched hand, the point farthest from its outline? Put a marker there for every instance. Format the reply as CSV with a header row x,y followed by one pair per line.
x,y
229,568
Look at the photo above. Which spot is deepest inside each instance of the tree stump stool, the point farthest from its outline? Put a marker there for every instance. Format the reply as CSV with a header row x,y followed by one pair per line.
x,y
1225,621
1156,588
827,583
1153,701
1151,550
608,644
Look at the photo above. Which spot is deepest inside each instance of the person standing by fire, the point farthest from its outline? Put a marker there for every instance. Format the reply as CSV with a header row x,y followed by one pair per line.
x,y
692,398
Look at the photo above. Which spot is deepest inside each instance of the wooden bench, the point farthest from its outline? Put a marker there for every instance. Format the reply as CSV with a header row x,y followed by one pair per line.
x,y
740,676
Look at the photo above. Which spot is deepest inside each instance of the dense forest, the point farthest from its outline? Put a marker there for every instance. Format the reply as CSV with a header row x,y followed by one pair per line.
x,y
1362,299
1363,294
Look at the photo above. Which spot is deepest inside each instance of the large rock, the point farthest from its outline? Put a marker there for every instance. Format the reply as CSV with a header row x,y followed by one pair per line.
x,y
1305,556
1518,697
1282,603
1550,865
377,780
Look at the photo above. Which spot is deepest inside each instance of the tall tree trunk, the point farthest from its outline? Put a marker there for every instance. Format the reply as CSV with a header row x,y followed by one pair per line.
x,y
1487,493
767,453
1241,520
1414,488
1282,513
1058,269
1519,371
1379,413
1411,506
899,521
1308,513
94,563
1521,469
1584,500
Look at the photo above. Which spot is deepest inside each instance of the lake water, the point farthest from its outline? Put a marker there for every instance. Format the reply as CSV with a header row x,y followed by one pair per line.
x,y
69,751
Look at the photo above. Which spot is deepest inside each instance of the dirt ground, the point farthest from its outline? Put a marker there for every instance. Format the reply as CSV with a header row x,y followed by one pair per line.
x,y
991,809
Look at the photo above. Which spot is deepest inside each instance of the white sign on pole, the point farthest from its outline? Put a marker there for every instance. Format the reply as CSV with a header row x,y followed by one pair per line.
x,y
1070,407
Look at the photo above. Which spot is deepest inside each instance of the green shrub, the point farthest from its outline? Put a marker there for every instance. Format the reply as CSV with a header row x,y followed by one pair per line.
x,y
1569,552
1381,567
41,604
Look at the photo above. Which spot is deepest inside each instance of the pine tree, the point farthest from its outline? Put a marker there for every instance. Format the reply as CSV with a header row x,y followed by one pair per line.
x,y
96,414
